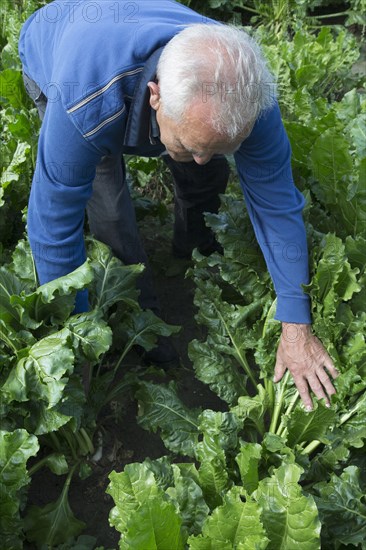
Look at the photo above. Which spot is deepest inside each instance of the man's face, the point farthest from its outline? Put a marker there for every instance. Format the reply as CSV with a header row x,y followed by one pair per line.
x,y
192,138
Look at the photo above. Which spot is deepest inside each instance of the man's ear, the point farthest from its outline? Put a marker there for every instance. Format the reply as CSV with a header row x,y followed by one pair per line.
x,y
154,95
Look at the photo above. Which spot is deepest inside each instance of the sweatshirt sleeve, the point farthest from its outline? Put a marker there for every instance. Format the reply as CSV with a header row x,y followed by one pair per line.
x,y
275,208
62,184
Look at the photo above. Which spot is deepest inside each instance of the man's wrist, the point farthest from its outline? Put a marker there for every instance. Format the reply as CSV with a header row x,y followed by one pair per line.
x,y
293,332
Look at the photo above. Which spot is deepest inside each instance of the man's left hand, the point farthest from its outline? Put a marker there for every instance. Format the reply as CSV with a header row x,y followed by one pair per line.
x,y
304,356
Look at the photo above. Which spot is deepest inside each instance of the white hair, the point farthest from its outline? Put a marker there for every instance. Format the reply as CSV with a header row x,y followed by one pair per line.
x,y
220,65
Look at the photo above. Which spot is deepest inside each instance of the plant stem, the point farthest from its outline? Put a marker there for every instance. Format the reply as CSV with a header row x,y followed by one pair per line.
x,y
38,466
281,428
8,342
278,403
87,440
270,389
246,8
329,15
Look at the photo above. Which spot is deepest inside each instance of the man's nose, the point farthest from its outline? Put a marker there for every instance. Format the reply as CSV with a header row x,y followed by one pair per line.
x,y
202,159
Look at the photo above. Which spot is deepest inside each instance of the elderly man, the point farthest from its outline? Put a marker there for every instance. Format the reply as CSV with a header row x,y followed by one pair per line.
x,y
155,78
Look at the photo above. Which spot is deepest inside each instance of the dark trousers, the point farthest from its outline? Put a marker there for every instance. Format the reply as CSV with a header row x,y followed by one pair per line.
x,y
111,213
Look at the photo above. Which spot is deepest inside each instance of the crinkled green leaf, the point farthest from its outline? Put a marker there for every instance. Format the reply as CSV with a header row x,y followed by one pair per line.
x,y
57,463
223,427
356,251
10,285
302,139
220,434
333,166
142,513
40,419
306,426
334,279
12,88
53,302
161,409
143,328
353,423
341,504
227,327
129,489
42,373
15,341
155,525
248,462
289,517
91,335
13,171
15,449
358,134
113,281
235,524
23,263
217,370
189,497
253,409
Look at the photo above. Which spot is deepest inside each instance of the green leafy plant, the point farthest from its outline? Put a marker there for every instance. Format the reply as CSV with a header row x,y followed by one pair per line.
x,y
53,384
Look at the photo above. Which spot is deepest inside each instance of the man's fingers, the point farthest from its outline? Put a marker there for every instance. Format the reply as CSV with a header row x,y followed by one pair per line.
x,y
303,389
317,388
324,379
330,367
279,371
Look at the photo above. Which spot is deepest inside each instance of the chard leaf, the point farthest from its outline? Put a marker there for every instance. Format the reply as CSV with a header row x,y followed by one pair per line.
x,y
353,423
289,517
142,513
216,370
221,427
155,525
15,449
53,302
358,134
41,374
91,336
41,419
162,470
342,508
331,163
143,328
356,251
227,326
213,477
306,426
302,139
235,524
248,462
15,341
129,489
57,463
333,281
13,171
188,495
253,409
160,408
54,523
23,264
219,434
113,281
333,167
10,285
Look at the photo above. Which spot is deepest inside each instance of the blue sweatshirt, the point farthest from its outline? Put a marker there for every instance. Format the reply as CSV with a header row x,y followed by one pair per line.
x,y
92,60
